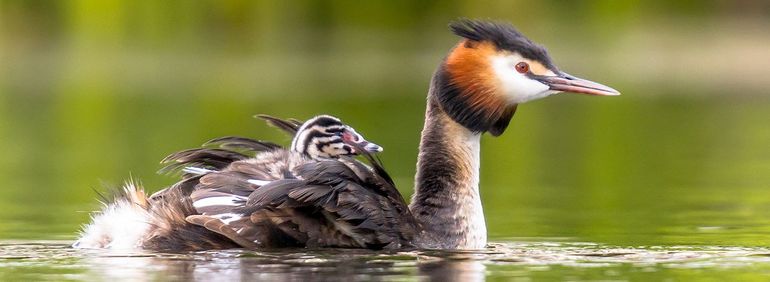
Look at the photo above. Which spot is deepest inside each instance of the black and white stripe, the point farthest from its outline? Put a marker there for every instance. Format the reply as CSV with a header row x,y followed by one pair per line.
x,y
321,137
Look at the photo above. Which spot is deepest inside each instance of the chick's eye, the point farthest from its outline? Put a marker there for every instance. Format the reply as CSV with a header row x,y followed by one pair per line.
x,y
347,136
522,67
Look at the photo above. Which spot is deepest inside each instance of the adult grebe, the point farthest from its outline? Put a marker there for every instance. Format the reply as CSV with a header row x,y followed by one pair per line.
x,y
262,202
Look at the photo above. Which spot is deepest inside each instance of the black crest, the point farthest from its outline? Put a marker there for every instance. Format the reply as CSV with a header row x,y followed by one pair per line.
x,y
503,36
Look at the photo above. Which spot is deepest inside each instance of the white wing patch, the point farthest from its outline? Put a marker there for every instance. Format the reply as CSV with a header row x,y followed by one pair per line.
x,y
197,170
258,182
230,200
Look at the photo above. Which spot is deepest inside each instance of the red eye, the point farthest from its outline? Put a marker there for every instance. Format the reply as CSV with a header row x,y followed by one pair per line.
x,y
346,136
522,67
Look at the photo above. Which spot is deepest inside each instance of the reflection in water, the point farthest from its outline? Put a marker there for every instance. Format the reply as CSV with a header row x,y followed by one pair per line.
x,y
140,267
248,265
346,265
530,260
467,267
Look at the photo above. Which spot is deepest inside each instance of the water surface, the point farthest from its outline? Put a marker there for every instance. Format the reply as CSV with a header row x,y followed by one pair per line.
x,y
671,180
577,188
526,260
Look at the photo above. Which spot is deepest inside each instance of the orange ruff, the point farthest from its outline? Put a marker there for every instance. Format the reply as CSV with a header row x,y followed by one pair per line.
x,y
470,68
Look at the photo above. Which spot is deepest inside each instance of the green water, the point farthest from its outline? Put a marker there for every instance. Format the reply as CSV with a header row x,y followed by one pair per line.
x,y
523,260
670,181
578,187
619,170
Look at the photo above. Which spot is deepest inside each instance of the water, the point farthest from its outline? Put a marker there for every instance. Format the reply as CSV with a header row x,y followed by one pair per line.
x,y
668,182
521,261
577,189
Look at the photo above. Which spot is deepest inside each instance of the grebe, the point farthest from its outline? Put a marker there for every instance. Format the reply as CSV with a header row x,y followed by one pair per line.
x,y
321,137
125,220
344,203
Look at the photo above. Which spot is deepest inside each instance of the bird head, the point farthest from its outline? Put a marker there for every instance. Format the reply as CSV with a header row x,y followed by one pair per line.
x,y
493,69
327,137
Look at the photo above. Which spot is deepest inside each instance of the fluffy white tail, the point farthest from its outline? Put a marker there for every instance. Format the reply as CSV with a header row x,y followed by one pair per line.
x,y
121,223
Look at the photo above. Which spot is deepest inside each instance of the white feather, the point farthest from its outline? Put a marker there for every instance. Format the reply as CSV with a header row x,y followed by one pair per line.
x,y
258,182
120,225
477,237
197,170
231,200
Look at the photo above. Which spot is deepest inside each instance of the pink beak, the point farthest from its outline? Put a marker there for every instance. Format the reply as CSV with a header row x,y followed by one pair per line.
x,y
567,83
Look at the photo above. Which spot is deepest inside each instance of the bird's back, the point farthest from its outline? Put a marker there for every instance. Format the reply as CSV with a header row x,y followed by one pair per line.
x,y
281,199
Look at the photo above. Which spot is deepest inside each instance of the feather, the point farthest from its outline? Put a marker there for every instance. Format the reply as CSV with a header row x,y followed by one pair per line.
x,y
219,227
276,198
289,126
242,143
200,157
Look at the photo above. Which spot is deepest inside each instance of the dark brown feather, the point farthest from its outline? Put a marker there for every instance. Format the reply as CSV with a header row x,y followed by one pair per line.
x,y
242,143
290,126
170,230
334,203
201,157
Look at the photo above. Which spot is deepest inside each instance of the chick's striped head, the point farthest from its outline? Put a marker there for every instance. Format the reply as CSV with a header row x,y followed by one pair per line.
x,y
326,137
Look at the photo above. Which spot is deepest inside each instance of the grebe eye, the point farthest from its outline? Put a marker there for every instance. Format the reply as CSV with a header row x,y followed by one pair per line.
x,y
522,67
346,136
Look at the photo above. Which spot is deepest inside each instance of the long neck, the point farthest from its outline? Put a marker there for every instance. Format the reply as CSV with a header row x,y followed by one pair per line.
x,y
446,200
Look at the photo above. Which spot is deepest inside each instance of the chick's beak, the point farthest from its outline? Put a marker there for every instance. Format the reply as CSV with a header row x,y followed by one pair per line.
x,y
565,82
359,143
372,148
363,145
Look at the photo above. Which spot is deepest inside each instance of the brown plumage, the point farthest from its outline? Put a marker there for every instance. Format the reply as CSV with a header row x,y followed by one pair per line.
x,y
290,126
227,167
334,203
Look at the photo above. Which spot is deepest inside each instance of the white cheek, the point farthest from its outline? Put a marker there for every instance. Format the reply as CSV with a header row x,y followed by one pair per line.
x,y
516,86
314,152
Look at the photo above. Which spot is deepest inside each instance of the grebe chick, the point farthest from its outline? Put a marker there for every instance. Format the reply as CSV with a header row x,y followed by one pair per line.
x,y
321,137
123,222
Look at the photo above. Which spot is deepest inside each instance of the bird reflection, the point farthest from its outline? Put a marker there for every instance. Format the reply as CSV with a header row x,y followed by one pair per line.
x,y
334,265
457,268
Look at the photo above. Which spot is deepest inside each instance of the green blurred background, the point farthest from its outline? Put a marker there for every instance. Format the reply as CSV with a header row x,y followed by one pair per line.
x,y
95,92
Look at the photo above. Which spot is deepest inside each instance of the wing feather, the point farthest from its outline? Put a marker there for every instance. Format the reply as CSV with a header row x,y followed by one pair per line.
x,y
242,143
290,126
282,199
220,227
208,158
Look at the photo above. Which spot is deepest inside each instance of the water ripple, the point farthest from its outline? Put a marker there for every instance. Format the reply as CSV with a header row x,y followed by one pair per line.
x,y
542,259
